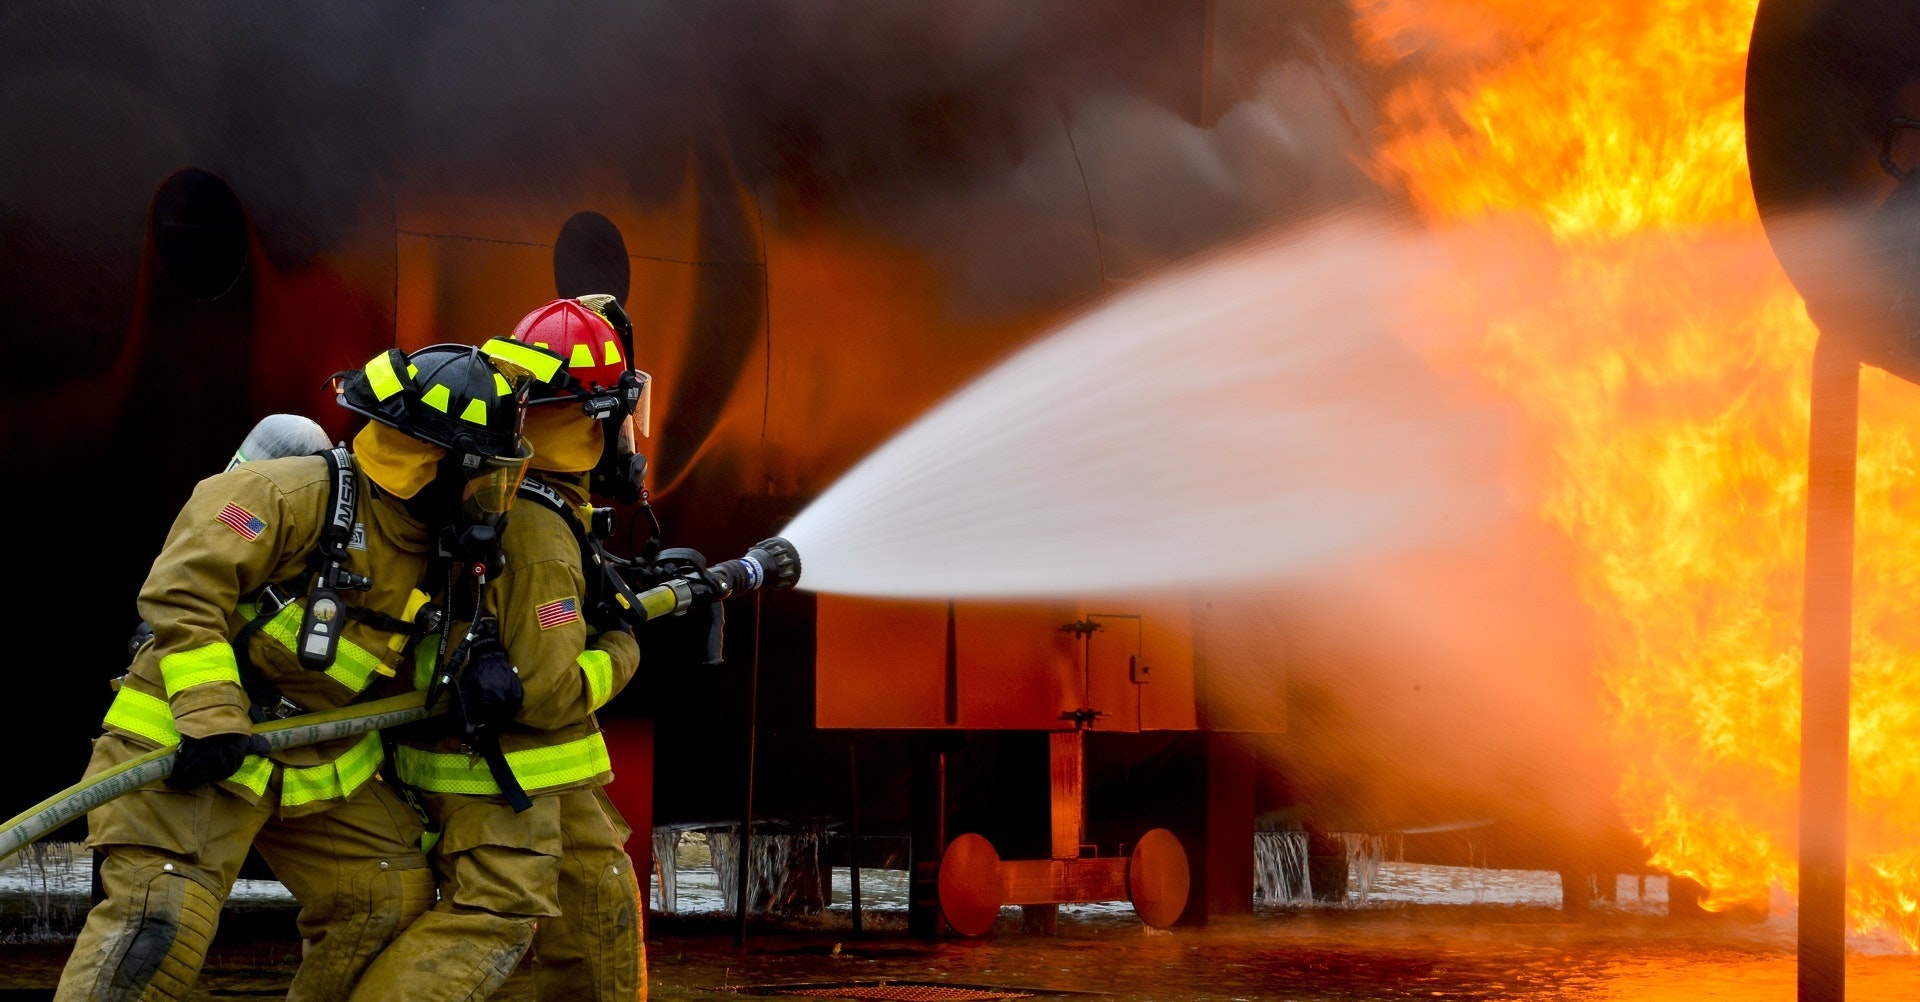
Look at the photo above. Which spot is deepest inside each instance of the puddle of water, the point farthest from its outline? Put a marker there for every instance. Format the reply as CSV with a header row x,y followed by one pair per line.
x,y
1429,933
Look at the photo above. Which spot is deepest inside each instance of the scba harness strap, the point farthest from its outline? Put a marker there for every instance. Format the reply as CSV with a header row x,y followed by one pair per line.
x,y
320,627
316,643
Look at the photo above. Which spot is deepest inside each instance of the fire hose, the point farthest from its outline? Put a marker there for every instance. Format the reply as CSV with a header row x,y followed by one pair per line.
x,y
771,563
51,814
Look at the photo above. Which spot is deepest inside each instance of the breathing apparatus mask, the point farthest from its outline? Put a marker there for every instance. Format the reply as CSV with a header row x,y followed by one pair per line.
x,y
621,472
485,486
445,436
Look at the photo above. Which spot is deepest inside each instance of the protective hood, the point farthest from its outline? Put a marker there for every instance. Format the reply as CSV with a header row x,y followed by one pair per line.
x,y
398,462
564,440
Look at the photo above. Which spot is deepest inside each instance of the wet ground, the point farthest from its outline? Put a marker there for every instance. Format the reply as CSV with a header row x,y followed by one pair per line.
x,y
1420,933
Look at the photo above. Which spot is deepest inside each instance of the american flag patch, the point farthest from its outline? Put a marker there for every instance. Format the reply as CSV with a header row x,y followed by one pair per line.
x,y
242,521
557,613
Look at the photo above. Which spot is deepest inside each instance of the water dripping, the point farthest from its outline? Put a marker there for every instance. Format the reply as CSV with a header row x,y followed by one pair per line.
x,y
779,865
1364,853
1477,870
666,863
1280,875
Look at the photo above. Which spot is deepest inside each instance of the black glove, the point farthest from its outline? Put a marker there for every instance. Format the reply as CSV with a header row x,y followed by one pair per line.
x,y
487,692
200,761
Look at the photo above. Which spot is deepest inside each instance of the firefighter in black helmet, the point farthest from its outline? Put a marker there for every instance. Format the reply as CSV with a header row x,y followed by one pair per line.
x,y
546,870
286,586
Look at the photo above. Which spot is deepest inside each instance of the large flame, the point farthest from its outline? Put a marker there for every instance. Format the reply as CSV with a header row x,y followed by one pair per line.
x,y
1662,361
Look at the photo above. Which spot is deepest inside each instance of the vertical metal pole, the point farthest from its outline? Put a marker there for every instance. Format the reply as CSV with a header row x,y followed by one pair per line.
x,y
952,668
742,855
853,824
1826,668
929,836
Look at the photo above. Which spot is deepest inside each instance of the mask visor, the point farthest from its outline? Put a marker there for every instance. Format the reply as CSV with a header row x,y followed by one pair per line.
x,y
490,487
642,417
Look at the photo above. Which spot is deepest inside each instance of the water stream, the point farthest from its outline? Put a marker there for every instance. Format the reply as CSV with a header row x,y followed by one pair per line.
x,y
1246,417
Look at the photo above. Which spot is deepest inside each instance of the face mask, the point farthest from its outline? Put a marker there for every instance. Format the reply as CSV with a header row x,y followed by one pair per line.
x,y
489,488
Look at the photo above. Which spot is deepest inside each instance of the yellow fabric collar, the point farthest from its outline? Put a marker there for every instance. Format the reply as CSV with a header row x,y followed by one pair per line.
x,y
398,462
564,440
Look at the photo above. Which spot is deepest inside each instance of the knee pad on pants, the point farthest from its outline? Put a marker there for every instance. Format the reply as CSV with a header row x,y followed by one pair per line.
x,y
166,941
415,894
619,970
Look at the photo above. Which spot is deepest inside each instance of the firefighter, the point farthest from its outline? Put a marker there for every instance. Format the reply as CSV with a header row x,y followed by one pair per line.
x,y
550,871
284,586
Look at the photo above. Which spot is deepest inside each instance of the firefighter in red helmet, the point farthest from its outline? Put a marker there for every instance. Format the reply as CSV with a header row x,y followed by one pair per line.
x,y
534,858
287,586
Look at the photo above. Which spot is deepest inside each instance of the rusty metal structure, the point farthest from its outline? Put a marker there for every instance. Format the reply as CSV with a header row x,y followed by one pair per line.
x,y
1833,109
208,211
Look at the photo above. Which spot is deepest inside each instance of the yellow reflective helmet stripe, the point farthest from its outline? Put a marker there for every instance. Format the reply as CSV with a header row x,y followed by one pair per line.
x,y
536,768
212,663
613,353
475,412
381,379
582,357
333,780
543,365
436,397
150,717
597,666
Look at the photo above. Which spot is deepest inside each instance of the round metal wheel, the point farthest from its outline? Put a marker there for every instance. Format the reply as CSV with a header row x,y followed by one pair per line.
x,y
970,884
1157,878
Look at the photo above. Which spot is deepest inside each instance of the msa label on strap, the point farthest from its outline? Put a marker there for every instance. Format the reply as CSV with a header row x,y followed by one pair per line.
x,y
344,494
545,493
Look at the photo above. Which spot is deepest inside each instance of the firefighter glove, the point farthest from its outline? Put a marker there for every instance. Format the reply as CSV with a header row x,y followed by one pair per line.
x,y
487,692
200,761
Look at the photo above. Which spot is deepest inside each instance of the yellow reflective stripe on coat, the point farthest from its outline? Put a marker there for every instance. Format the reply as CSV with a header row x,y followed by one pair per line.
x,y
425,656
254,772
150,717
535,768
139,713
212,663
352,664
597,666
333,780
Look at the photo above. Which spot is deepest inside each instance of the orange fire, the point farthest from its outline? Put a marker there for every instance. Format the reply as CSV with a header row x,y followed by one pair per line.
x,y
1661,361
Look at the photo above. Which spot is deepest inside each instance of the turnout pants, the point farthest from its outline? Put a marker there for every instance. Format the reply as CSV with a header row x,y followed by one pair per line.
x,y
499,875
172,856
594,949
